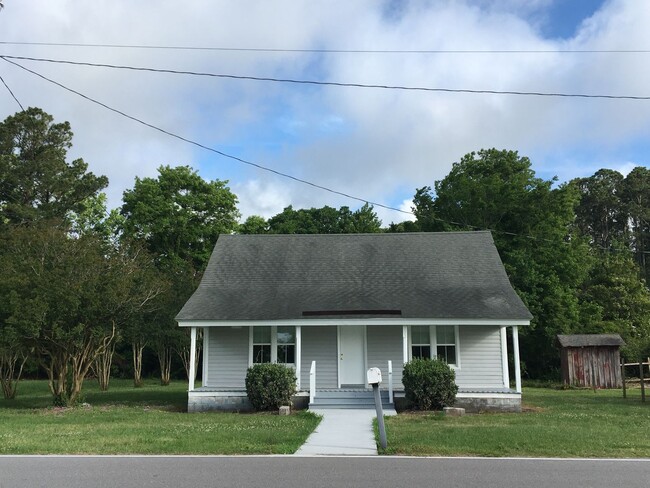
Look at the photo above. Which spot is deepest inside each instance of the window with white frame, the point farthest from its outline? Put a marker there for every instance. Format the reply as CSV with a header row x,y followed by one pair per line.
x,y
420,342
446,343
273,344
286,345
261,345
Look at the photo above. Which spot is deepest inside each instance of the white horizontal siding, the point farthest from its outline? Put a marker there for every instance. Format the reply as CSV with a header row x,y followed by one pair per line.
x,y
319,344
227,357
480,358
384,344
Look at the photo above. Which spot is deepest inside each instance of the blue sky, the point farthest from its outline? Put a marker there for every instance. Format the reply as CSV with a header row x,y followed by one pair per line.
x,y
378,145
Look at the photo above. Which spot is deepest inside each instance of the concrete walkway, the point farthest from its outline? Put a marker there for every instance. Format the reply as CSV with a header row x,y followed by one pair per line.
x,y
342,432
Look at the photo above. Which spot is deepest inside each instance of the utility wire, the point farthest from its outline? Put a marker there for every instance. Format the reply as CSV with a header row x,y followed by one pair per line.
x,y
12,93
207,148
328,83
270,170
333,51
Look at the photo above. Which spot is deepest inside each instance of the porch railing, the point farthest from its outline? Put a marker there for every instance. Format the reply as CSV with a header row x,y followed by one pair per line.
x,y
390,381
312,382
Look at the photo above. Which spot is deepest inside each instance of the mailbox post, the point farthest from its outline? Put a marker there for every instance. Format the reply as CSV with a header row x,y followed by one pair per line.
x,y
374,380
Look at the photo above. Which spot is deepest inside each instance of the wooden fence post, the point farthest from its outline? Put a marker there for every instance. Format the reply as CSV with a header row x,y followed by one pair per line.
x,y
641,379
623,378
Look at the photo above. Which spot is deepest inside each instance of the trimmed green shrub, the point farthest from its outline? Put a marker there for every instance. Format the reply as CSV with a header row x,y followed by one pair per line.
x,y
269,385
429,384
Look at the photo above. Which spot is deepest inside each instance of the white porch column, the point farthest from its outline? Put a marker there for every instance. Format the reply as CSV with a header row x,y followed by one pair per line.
x,y
298,355
504,357
192,371
405,343
515,348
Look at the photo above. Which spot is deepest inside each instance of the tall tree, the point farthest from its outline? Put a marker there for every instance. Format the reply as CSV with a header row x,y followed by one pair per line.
x,y
179,215
600,213
531,223
36,181
622,299
635,195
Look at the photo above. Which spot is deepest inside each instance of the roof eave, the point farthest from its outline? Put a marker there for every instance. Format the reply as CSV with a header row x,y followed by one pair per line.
x,y
354,321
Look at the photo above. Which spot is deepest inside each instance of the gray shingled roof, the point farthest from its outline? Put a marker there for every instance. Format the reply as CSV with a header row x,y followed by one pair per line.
x,y
587,340
421,275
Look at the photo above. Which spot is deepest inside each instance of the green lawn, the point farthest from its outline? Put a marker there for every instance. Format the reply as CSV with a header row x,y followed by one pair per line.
x,y
555,423
148,420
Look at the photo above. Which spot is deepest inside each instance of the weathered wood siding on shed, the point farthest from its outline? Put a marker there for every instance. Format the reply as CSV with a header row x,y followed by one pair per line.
x,y
592,366
480,357
319,344
228,356
384,343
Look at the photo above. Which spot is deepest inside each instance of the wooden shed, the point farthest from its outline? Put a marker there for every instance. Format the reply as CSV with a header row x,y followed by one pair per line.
x,y
591,360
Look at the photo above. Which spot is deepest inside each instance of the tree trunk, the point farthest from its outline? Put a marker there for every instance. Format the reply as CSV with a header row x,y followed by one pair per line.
x,y
137,347
102,366
11,369
165,361
66,370
57,372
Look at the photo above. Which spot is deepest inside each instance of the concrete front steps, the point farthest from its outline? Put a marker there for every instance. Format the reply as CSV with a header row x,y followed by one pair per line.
x,y
356,398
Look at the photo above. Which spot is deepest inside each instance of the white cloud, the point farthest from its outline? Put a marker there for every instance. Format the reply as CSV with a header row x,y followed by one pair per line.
x,y
378,145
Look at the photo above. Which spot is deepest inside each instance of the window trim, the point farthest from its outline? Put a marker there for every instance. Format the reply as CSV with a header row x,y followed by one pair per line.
x,y
433,339
274,344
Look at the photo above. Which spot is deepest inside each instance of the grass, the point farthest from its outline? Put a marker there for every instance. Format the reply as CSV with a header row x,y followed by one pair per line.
x,y
148,420
555,423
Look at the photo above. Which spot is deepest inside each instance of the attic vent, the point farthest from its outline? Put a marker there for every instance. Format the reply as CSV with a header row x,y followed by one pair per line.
x,y
316,313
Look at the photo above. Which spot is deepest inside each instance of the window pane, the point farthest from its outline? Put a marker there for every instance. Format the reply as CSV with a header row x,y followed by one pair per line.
x,y
262,335
447,354
419,334
421,352
451,354
262,353
287,354
286,335
445,334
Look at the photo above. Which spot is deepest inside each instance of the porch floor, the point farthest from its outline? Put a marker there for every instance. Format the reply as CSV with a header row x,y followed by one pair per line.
x,y
399,392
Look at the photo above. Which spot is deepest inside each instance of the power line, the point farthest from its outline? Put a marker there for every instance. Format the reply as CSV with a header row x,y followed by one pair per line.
x,y
331,51
330,83
207,148
270,170
12,93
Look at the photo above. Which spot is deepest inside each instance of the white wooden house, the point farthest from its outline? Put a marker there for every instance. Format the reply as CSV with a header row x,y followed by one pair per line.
x,y
332,306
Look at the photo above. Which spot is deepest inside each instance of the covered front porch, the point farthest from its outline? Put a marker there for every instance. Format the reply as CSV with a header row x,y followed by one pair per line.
x,y
331,359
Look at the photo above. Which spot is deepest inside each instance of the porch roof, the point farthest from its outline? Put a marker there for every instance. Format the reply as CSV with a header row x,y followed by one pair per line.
x,y
454,275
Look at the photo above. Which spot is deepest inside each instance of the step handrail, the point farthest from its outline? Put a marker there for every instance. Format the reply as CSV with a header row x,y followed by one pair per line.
x,y
390,381
312,382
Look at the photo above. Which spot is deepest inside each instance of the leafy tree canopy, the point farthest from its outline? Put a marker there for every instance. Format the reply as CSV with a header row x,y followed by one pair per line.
x,y
531,223
325,220
36,181
179,215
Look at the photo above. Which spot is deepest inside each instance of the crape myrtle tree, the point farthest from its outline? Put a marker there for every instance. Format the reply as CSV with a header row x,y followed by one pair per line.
x,y
178,216
70,297
532,226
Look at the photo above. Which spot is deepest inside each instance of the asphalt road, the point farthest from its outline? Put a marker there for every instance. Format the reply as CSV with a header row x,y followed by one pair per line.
x,y
305,472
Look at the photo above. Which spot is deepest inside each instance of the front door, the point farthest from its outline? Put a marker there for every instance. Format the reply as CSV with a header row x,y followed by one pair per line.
x,y
352,356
